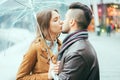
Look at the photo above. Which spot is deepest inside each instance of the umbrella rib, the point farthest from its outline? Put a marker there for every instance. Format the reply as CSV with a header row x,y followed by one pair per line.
x,y
21,4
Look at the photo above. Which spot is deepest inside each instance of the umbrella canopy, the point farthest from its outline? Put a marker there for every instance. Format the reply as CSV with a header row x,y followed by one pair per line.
x,y
17,19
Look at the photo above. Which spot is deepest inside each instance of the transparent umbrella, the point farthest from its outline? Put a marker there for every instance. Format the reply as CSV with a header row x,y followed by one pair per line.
x,y
18,27
17,19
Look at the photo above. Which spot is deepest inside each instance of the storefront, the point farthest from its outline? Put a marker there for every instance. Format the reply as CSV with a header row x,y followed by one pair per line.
x,y
108,14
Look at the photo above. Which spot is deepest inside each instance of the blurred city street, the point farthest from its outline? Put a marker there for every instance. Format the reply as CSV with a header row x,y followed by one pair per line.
x,y
108,52
107,49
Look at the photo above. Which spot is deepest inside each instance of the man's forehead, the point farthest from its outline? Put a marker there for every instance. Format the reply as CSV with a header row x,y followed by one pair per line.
x,y
68,12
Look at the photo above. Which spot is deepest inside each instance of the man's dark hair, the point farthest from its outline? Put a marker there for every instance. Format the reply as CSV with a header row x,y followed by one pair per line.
x,y
86,10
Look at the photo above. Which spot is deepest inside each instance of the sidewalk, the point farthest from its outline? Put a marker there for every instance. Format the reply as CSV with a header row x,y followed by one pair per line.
x,y
108,52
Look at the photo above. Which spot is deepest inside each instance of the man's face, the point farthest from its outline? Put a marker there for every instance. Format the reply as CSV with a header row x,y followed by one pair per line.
x,y
66,23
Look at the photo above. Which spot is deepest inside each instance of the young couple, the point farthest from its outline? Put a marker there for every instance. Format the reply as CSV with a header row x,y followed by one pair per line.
x,y
48,59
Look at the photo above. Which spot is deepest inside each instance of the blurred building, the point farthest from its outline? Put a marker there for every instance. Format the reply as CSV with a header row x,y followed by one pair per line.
x,y
105,12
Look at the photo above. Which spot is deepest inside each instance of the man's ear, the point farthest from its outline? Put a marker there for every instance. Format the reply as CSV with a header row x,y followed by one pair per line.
x,y
72,22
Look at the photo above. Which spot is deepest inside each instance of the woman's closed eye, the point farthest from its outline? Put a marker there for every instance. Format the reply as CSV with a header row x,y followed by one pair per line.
x,y
55,19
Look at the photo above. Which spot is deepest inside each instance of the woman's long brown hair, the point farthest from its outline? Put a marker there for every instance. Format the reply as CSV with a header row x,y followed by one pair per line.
x,y
43,19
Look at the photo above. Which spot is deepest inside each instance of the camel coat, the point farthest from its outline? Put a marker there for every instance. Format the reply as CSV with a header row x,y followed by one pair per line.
x,y
35,64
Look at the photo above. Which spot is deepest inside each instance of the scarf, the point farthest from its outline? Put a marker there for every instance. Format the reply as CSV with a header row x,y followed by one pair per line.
x,y
72,38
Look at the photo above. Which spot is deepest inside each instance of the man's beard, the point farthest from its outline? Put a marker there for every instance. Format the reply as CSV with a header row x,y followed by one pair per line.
x,y
64,32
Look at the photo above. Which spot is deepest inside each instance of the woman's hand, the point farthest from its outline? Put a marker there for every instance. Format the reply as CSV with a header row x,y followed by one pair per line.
x,y
53,68
56,67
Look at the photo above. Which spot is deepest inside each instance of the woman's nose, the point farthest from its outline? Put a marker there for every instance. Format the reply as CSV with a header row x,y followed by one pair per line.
x,y
61,22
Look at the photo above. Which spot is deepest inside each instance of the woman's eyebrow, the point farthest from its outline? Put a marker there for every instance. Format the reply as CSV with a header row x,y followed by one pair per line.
x,y
57,17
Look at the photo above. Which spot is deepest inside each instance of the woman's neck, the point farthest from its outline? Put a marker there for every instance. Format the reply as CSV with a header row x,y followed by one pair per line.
x,y
52,37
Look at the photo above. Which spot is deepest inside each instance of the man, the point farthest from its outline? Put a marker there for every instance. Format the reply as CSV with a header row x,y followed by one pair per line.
x,y
78,57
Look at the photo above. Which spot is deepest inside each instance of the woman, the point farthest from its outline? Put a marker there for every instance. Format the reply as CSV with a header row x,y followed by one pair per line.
x,y
35,64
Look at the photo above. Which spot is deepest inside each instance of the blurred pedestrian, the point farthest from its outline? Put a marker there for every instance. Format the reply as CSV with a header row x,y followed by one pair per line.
x,y
98,30
108,30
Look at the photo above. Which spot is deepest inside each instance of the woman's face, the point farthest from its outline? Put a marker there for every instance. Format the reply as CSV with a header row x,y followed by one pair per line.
x,y
66,25
55,23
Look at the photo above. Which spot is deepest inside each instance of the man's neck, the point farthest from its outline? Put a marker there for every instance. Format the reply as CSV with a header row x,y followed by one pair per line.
x,y
74,30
